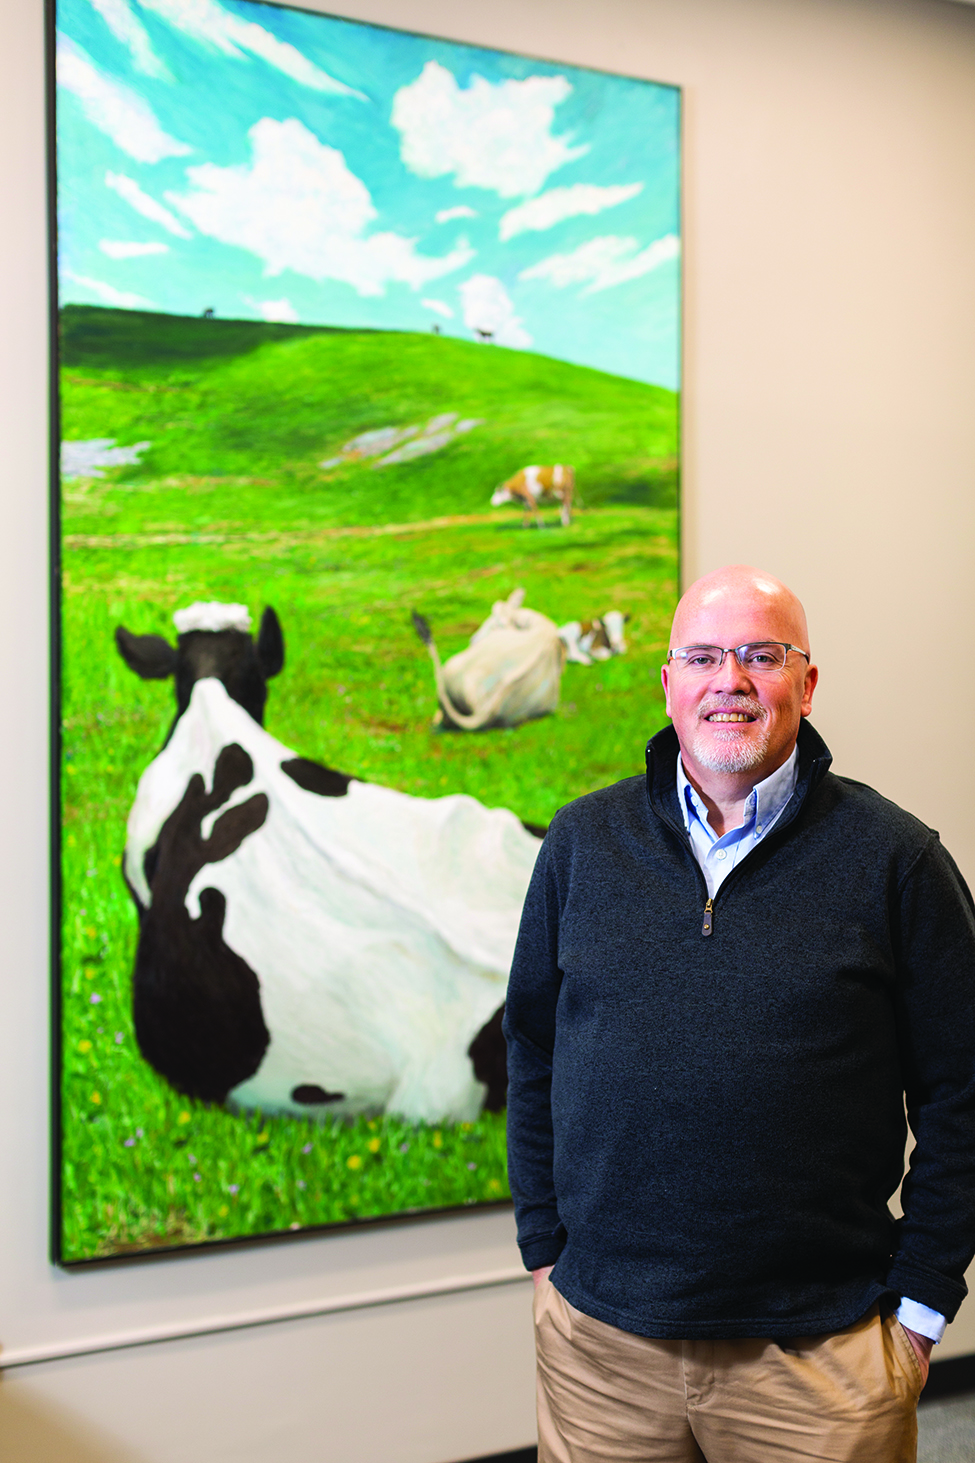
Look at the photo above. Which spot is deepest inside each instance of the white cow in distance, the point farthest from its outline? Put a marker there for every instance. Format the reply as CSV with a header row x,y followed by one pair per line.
x,y
511,671
310,943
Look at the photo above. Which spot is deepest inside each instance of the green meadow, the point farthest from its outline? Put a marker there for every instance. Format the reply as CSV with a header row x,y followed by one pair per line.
x,y
229,502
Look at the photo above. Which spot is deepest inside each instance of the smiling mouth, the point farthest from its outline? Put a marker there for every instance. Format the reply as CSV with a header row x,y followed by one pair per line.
x,y
728,716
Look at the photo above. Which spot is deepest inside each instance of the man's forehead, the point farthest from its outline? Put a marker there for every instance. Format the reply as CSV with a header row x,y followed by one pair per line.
x,y
733,625
716,612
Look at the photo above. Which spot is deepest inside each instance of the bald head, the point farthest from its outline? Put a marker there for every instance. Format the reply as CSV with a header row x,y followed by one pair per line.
x,y
736,724
756,604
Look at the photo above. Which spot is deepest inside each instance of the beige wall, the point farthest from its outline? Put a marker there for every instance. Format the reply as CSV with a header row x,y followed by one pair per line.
x,y
830,435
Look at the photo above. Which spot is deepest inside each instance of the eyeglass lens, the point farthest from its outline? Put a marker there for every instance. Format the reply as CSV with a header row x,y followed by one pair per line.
x,y
763,655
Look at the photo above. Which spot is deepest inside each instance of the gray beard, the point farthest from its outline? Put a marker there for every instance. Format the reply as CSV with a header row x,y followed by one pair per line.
x,y
735,755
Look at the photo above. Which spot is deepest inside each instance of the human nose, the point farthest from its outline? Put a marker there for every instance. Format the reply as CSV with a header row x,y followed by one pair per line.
x,y
730,677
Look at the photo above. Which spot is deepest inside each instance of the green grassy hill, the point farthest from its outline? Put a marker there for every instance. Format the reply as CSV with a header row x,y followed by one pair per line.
x,y
229,503
240,414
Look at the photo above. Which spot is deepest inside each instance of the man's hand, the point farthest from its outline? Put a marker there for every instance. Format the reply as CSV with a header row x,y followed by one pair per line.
x,y
922,1348
544,1271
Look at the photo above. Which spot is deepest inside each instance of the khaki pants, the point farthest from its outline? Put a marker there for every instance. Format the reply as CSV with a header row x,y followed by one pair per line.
x,y
606,1394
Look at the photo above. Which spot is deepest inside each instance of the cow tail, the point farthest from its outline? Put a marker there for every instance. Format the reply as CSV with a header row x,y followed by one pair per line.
x,y
488,712
462,719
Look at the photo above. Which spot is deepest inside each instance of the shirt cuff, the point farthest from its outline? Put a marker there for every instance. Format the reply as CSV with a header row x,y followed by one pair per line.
x,y
921,1319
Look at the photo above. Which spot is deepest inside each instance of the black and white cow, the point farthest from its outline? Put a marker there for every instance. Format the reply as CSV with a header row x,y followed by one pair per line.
x,y
309,943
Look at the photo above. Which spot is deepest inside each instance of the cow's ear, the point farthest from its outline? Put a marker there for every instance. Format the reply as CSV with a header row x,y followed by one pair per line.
x,y
270,644
150,656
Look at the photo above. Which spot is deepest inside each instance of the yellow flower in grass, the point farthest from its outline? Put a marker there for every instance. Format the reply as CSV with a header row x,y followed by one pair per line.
x,y
96,1098
184,1117
84,1045
354,1161
374,1145
494,1186
438,1140
263,1138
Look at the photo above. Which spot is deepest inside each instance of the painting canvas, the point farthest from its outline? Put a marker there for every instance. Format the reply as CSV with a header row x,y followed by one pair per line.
x,y
366,546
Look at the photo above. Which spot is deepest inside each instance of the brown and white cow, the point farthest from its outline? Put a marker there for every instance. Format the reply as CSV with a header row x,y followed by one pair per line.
x,y
598,639
534,485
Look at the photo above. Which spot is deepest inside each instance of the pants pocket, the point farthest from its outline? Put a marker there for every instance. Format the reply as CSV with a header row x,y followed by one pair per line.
x,y
905,1351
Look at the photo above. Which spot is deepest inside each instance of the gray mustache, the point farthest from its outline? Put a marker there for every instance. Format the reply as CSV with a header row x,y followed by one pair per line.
x,y
732,703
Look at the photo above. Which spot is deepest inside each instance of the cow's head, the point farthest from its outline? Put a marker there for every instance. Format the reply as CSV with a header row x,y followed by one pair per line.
x,y
213,640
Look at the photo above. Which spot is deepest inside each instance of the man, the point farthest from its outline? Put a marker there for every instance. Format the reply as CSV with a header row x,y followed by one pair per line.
x,y
728,975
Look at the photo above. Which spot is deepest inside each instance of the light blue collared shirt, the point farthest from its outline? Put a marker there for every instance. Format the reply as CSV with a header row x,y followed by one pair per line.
x,y
717,857
763,806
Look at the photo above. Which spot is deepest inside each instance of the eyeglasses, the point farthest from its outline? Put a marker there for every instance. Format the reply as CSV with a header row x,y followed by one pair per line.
x,y
757,658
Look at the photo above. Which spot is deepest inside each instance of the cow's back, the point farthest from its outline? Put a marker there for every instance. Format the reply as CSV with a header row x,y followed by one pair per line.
x,y
515,673
380,926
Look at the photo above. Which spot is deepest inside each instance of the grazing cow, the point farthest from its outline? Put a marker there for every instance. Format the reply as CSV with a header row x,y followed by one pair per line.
x,y
533,485
598,639
309,943
510,672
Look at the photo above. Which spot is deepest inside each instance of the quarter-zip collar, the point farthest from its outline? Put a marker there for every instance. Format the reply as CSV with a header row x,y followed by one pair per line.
x,y
663,751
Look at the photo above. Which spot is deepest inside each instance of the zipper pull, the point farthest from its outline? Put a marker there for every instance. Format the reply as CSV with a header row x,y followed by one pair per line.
x,y
706,927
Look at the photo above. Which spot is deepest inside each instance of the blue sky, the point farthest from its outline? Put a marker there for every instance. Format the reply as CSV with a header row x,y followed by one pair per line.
x,y
277,164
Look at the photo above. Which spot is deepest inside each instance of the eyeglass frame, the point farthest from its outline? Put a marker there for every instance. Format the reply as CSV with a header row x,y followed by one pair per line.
x,y
734,649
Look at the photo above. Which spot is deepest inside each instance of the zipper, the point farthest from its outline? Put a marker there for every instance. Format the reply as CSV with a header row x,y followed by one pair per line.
x,y
707,925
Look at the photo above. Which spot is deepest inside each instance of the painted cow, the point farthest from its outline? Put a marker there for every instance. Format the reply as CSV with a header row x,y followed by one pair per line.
x,y
534,485
598,639
309,943
510,672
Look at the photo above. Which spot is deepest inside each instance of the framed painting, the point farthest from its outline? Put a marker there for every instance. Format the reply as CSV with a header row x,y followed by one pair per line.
x,y
367,390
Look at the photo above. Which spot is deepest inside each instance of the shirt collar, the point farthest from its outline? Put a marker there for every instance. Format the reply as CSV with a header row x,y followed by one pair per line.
x,y
763,804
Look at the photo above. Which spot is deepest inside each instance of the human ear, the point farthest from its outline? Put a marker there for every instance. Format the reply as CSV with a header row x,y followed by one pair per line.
x,y
809,686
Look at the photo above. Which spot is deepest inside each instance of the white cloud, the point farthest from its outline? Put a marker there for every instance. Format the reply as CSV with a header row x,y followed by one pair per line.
x,y
297,206
127,28
279,311
129,189
440,307
461,211
114,109
493,135
488,308
207,22
558,203
122,249
108,294
604,262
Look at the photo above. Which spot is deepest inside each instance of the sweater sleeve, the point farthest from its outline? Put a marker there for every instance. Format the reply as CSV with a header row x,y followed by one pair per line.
x,y
529,1027
936,1016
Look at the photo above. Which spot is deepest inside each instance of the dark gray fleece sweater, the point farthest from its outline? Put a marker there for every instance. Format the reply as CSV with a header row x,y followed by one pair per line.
x,y
705,1128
